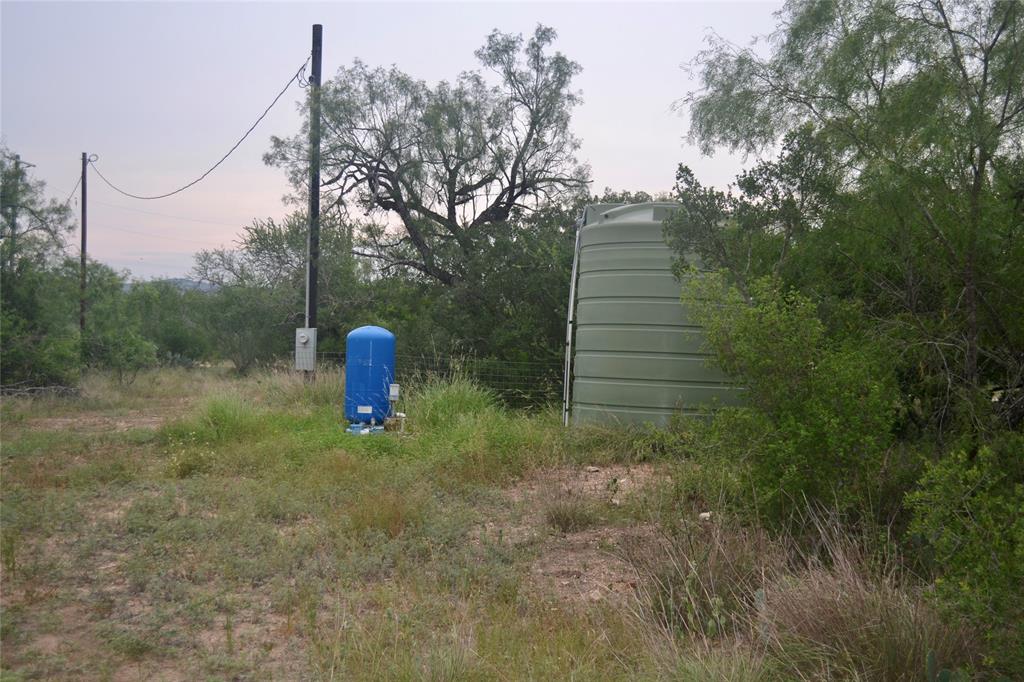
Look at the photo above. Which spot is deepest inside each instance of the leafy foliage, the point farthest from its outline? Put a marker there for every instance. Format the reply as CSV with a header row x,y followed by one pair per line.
x,y
870,296
170,318
451,163
820,416
40,345
917,107
970,509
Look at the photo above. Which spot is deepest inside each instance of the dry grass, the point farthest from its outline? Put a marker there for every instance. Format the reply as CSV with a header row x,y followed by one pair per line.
x,y
570,513
246,535
239,533
845,609
742,605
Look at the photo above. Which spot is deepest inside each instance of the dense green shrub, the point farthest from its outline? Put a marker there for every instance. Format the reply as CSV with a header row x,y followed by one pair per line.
x,y
820,411
34,357
122,350
969,509
173,319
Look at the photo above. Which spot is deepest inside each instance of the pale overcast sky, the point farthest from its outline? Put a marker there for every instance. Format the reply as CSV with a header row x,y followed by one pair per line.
x,y
159,91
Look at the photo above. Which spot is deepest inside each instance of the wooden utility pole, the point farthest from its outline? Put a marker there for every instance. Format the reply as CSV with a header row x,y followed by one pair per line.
x,y
313,239
81,273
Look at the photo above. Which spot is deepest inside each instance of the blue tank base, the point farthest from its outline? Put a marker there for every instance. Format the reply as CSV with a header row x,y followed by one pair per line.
x,y
360,429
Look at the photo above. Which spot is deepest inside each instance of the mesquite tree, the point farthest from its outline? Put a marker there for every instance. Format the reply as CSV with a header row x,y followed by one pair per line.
x,y
440,169
918,105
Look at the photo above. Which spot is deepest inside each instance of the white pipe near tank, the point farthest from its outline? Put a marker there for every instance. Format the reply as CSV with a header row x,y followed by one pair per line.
x,y
568,324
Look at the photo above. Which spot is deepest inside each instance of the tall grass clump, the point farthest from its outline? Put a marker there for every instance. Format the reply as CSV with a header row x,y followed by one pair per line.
x,y
704,580
844,608
288,388
832,612
219,419
439,404
470,438
570,513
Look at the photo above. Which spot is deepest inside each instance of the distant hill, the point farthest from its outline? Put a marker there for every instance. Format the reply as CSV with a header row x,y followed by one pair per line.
x,y
182,283
186,284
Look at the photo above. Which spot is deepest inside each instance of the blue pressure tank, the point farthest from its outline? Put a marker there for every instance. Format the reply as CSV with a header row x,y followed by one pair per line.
x,y
369,371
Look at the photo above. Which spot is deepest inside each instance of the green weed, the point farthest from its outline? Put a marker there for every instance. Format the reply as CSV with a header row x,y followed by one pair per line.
x,y
439,405
218,420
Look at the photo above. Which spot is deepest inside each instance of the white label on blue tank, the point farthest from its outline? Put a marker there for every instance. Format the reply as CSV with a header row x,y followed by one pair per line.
x,y
364,409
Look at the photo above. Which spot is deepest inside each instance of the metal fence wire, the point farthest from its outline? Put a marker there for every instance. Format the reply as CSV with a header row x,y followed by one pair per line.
x,y
528,384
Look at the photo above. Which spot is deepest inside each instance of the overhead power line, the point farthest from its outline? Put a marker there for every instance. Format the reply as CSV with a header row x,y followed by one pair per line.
x,y
114,187
161,236
71,194
168,215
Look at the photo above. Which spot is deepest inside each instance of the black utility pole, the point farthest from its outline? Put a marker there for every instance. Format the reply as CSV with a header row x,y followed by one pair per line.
x,y
81,274
313,241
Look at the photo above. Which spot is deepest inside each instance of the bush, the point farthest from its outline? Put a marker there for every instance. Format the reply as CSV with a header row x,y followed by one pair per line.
x,y
34,358
969,509
821,412
122,350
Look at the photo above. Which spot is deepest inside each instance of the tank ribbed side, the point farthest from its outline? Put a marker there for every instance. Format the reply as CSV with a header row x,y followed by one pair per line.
x,y
639,356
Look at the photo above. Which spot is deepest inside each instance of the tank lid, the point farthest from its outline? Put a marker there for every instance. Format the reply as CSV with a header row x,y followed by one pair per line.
x,y
592,213
652,211
370,330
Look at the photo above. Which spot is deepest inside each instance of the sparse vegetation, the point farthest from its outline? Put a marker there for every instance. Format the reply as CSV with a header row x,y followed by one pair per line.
x,y
249,536
860,516
570,514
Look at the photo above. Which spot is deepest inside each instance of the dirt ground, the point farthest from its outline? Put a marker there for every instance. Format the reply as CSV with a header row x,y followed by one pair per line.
x,y
150,417
585,566
115,569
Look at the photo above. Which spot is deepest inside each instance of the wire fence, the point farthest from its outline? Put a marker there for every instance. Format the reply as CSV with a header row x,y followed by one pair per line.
x,y
28,390
529,384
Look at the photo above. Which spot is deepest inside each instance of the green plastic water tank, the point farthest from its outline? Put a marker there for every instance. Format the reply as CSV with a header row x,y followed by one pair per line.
x,y
638,356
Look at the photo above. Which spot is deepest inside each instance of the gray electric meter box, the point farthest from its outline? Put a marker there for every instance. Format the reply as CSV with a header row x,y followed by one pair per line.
x,y
305,349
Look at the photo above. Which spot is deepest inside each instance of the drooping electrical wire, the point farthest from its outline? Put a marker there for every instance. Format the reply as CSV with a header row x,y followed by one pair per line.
x,y
168,215
114,187
72,192
161,236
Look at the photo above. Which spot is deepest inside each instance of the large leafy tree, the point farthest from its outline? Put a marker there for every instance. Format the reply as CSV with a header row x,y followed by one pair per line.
x,y
34,225
271,253
918,107
267,266
442,168
38,337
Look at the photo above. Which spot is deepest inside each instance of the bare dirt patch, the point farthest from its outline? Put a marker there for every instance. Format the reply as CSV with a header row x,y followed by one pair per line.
x,y
67,637
612,482
587,566
158,672
106,510
267,640
94,422
521,520
577,567
150,414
